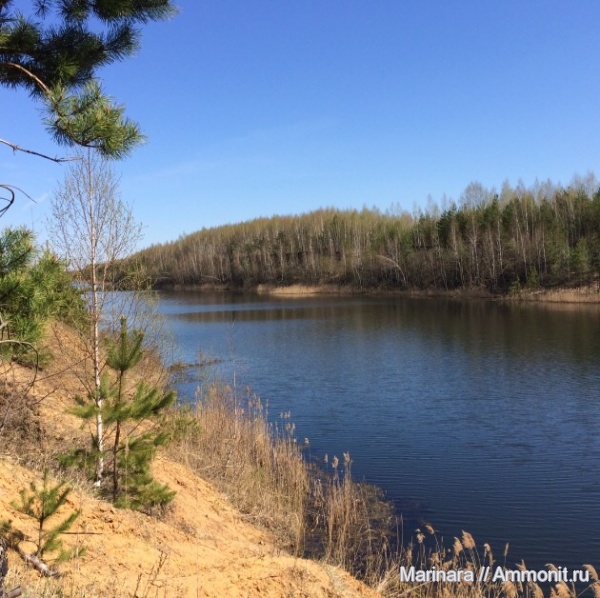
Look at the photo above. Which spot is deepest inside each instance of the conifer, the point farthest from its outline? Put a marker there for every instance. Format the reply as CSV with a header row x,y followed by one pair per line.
x,y
55,53
43,503
126,414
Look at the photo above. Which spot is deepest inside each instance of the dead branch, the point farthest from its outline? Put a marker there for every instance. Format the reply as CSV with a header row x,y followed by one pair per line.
x,y
37,563
17,148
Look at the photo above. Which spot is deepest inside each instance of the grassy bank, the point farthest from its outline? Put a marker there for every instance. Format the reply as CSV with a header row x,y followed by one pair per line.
x,y
589,293
315,512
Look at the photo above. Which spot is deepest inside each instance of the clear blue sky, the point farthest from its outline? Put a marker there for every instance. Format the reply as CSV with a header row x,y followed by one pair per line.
x,y
266,107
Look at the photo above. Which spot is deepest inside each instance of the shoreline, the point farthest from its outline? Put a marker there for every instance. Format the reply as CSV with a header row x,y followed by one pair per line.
x,y
585,294
203,543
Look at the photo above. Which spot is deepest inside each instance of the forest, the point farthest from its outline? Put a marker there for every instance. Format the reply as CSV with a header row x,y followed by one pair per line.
x,y
544,235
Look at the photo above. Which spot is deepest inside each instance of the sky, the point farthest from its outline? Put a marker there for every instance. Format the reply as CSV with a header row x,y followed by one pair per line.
x,y
259,108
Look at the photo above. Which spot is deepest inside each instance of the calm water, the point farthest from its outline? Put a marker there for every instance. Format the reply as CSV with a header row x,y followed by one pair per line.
x,y
471,415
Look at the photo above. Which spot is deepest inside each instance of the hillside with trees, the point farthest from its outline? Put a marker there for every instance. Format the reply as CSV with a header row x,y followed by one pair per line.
x,y
544,235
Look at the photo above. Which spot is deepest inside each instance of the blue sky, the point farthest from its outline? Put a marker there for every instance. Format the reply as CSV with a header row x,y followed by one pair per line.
x,y
265,107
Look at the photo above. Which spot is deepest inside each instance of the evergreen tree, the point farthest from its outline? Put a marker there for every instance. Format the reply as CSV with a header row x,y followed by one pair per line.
x,y
55,54
126,414
33,289
43,504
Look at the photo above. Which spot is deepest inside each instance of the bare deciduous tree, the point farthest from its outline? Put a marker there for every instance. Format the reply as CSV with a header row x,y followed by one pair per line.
x,y
93,229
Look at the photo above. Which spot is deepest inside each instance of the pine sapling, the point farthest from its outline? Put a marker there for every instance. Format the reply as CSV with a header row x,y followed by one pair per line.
x,y
42,504
125,413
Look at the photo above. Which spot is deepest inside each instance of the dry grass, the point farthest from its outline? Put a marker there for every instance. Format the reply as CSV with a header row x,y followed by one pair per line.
x,y
32,586
589,293
350,524
261,468
465,556
301,290
227,440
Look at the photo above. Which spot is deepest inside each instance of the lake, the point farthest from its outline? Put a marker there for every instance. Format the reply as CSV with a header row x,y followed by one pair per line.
x,y
474,415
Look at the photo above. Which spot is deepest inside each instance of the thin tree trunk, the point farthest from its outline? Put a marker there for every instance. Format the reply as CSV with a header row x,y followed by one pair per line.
x,y
95,328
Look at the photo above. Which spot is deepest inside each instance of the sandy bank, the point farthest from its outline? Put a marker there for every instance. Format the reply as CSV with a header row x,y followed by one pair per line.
x,y
201,546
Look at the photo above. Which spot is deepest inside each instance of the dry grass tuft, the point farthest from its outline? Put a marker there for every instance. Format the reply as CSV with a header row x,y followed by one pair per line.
x,y
592,571
260,466
586,293
467,540
227,439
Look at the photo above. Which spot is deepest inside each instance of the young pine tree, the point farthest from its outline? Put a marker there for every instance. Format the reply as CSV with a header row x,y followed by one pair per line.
x,y
131,440
34,288
43,503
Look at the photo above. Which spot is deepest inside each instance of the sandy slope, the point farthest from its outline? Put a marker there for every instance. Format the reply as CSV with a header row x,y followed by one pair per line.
x,y
201,547
207,547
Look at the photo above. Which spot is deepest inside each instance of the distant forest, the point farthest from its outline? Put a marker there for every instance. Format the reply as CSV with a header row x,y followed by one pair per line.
x,y
540,236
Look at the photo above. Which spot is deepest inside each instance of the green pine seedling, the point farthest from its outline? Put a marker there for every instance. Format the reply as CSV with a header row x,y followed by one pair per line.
x,y
42,504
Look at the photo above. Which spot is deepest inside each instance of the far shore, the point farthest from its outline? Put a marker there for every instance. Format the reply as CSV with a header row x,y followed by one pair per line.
x,y
589,294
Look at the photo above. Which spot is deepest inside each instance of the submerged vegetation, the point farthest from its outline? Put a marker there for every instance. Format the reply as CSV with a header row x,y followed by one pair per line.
x,y
499,242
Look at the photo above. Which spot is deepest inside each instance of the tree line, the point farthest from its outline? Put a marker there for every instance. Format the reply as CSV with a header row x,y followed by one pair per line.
x,y
543,235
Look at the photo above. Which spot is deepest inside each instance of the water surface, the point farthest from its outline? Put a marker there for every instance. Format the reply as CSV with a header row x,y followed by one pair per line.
x,y
471,415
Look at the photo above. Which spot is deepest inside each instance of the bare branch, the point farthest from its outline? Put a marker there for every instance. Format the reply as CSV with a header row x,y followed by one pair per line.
x,y
9,201
13,188
27,385
17,148
38,564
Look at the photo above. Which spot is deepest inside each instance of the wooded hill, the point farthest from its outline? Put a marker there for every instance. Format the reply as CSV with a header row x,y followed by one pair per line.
x,y
544,235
